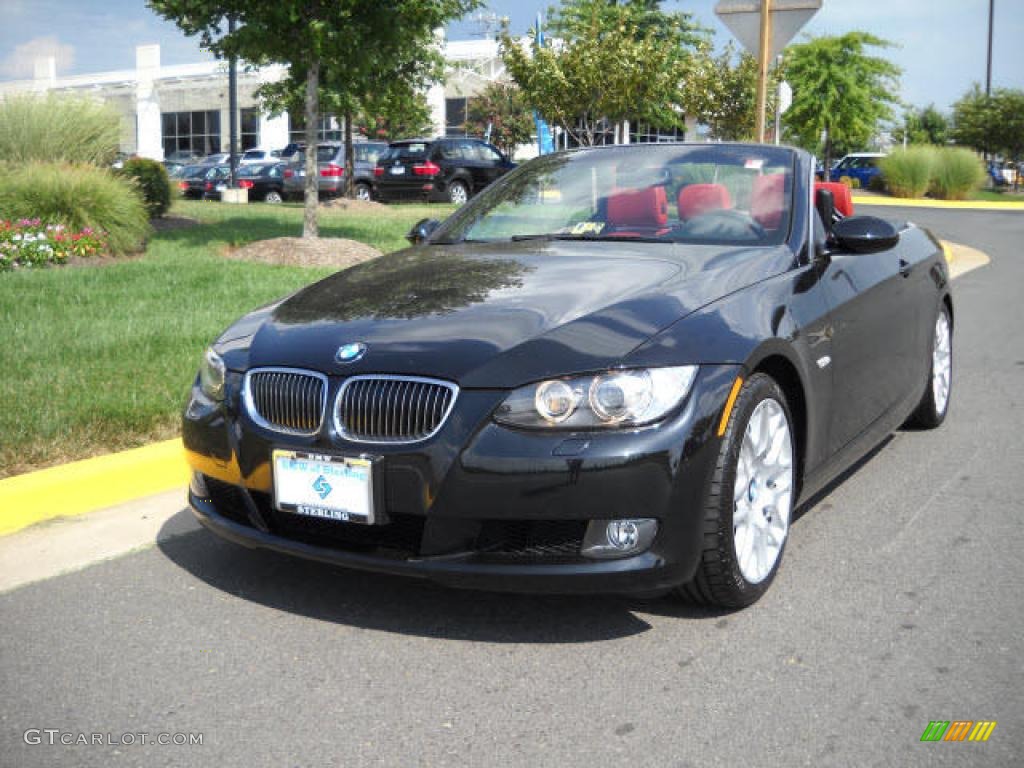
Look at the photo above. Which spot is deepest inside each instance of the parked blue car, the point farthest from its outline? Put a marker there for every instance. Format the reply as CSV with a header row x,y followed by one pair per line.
x,y
862,166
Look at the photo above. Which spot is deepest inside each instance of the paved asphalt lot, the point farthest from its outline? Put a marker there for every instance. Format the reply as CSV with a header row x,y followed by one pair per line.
x,y
898,603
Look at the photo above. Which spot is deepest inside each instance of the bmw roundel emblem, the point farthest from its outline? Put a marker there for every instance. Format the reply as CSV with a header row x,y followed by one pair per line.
x,y
349,353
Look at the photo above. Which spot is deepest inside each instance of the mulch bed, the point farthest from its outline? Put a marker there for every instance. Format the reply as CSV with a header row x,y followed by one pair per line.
x,y
302,252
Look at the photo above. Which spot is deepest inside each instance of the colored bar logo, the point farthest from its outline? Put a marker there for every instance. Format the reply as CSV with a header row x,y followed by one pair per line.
x,y
958,730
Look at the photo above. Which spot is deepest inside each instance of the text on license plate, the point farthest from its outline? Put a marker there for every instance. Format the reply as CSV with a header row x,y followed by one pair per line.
x,y
331,487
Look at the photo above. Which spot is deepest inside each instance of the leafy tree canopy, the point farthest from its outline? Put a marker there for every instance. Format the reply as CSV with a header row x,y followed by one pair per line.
x,y
501,106
923,126
839,89
991,123
721,93
606,61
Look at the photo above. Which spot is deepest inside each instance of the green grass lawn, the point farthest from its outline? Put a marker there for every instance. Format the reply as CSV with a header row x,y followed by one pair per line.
x,y
101,358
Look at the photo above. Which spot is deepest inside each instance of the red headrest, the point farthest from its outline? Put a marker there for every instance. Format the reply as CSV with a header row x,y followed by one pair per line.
x,y
840,193
646,207
695,199
767,199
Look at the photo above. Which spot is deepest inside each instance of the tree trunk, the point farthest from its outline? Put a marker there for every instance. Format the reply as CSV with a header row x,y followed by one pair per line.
x,y
309,223
350,159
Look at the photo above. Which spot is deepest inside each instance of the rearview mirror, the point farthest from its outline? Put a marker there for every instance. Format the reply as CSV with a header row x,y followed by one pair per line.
x,y
864,234
421,230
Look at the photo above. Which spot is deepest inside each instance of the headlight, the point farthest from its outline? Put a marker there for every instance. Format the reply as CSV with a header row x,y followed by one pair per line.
x,y
211,375
610,399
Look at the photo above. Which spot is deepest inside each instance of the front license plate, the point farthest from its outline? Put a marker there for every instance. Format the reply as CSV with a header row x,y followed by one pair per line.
x,y
329,487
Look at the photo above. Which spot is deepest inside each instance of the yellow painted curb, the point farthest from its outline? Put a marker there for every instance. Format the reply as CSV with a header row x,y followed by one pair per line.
x,y
970,205
962,258
91,484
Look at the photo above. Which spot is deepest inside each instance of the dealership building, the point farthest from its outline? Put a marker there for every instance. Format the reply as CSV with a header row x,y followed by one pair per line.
x,y
165,109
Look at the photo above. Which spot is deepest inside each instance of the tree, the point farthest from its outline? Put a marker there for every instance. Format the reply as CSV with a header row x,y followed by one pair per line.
x,y
991,123
501,106
607,61
839,91
398,114
359,46
923,126
721,93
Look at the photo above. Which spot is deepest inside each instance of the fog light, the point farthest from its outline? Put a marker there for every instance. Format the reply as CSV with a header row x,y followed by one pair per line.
x,y
198,486
618,538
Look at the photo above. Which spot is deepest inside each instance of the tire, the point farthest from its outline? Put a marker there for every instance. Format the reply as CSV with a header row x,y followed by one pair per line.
x,y
274,197
363,192
749,509
934,405
458,192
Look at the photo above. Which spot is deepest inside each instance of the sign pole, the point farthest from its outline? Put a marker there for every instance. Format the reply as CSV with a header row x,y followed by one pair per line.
x,y
763,61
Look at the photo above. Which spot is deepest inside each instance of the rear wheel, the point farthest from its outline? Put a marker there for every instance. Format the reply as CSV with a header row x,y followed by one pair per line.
x,y
934,405
458,192
750,500
363,191
273,196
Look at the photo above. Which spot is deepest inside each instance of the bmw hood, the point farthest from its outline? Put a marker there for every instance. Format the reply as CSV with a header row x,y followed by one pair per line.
x,y
498,315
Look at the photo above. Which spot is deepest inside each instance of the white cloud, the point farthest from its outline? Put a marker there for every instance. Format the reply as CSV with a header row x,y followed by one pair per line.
x,y
21,62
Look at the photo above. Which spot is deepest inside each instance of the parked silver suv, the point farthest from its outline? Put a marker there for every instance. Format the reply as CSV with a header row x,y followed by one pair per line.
x,y
330,160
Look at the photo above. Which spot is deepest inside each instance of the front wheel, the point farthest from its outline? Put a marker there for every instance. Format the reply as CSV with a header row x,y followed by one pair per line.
x,y
934,405
750,500
273,197
458,192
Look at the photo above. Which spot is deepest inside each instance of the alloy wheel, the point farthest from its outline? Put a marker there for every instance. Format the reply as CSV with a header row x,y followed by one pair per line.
x,y
942,363
763,491
457,193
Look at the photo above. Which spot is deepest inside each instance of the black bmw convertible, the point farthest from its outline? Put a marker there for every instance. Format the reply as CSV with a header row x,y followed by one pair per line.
x,y
616,370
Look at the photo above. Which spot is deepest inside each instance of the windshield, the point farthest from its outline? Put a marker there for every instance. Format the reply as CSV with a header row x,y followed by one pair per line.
x,y
730,194
401,153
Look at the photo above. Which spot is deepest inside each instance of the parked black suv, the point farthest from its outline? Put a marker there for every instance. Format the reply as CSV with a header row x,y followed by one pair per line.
x,y
451,169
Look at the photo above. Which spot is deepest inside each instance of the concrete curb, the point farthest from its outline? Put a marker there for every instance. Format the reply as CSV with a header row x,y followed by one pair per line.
x,y
964,205
106,481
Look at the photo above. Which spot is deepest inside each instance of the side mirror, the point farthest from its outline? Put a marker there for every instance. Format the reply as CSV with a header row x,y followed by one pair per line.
x,y
422,230
865,234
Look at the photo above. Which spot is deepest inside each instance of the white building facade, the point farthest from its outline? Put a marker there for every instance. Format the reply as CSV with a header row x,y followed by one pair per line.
x,y
184,108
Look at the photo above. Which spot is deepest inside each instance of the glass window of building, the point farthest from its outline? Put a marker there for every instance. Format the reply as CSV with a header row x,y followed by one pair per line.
x,y
249,128
196,132
329,130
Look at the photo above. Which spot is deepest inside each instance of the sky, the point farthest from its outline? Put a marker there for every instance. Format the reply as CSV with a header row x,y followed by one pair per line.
x,y
941,44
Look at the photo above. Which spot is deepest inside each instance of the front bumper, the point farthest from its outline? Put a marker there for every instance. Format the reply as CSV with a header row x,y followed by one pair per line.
x,y
479,505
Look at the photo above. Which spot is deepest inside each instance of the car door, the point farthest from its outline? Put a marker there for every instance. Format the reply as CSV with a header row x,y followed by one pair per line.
x,y
874,330
493,163
473,161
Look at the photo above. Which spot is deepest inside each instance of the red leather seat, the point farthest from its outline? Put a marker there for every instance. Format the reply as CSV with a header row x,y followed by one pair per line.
x,y
645,209
767,199
840,194
695,199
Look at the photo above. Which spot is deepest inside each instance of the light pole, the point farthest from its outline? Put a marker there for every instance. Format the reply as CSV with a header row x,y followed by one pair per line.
x,y
988,71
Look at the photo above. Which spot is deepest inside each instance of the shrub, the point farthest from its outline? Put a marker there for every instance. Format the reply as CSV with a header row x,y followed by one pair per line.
x,y
76,197
908,172
152,181
57,128
957,173
877,183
